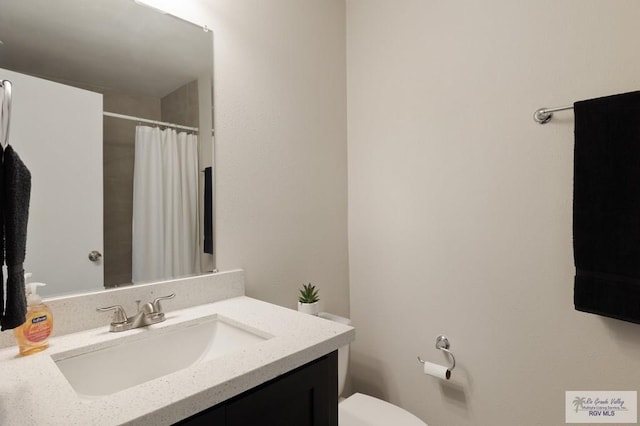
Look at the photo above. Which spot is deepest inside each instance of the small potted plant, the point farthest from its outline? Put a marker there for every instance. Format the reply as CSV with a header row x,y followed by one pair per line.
x,y
308,299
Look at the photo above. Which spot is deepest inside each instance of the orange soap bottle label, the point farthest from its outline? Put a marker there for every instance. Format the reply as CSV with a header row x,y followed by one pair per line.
x,y
37,328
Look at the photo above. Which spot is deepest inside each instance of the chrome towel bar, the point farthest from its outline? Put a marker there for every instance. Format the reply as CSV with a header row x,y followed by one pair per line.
x,y
544,115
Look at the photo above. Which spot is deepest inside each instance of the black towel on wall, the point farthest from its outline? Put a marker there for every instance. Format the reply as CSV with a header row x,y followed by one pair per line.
x,y
17,191
208,210
606,206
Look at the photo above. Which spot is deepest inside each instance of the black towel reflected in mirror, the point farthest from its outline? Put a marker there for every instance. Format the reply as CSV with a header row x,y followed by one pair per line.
x,y
208,213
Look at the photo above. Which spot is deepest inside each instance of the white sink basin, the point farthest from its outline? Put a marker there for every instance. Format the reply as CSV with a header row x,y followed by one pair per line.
x,y
95,371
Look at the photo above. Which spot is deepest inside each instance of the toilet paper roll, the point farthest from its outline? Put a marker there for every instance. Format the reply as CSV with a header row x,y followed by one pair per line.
x,y
437,370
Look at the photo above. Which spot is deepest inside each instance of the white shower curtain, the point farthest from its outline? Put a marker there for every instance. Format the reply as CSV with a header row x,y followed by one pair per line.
x,y
165,205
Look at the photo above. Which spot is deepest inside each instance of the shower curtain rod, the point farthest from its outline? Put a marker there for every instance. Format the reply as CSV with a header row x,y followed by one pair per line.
x,y
543,115
146,120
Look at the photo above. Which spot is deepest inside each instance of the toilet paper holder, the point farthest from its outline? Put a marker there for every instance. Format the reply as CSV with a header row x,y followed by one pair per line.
x,y
442,343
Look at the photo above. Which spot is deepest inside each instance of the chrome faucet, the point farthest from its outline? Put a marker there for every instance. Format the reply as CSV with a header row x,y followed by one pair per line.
x,y
149,313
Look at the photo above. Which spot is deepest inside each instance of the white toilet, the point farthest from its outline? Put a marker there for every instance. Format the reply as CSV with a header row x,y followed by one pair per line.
x,y
365,410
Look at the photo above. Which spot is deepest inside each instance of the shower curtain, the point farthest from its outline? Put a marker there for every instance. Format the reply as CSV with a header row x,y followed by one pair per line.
x,y
165,205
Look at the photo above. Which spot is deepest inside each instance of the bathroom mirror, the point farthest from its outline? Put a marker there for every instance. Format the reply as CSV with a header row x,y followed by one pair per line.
x,y
97,87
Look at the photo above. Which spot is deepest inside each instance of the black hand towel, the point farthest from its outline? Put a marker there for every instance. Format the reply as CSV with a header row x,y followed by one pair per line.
x,y
208,210
606,206
17,191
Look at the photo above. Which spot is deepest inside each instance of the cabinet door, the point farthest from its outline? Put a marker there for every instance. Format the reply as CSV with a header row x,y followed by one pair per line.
x,y
214,416
307,396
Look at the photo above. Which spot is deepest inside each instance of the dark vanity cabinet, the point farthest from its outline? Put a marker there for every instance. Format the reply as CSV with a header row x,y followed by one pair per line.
x,y
306,396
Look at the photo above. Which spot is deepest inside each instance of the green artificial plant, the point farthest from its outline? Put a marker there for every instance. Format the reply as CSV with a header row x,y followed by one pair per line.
x,y
308,294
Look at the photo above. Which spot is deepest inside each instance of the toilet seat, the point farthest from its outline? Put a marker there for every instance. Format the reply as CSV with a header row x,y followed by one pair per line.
x,y
365,410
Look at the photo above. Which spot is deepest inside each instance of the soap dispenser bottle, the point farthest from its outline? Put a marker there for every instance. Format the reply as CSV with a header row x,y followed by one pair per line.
x,y
33,335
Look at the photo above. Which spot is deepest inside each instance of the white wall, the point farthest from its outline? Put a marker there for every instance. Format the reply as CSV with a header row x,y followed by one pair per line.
x,y
280,125
460,205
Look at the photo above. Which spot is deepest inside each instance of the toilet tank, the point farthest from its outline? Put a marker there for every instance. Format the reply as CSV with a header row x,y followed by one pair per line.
x,y
343,351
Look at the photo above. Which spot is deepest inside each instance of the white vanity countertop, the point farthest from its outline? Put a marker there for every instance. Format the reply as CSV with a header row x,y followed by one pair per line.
x,y
34,391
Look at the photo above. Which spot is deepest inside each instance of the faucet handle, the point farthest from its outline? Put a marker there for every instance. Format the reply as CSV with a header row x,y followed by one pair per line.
x,y
156,302
119,316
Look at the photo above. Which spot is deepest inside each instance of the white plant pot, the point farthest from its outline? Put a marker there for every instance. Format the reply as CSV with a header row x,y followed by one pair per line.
x,y
308,308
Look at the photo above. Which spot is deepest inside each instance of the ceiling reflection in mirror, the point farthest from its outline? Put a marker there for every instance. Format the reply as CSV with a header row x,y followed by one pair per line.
x,y
112,113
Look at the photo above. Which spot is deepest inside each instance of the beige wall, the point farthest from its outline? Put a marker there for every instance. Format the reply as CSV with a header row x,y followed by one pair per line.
x,y
460,205
280,125
181,105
